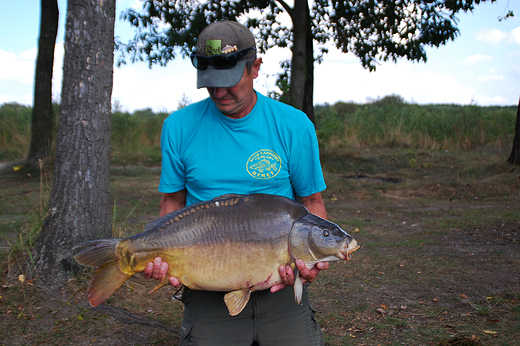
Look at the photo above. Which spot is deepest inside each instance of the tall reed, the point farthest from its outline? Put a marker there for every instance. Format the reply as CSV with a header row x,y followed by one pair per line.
x,y
136,137
15,127
388,122
398,124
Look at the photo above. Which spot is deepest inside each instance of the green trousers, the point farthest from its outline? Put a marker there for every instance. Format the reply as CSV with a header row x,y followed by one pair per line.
x,y
269,319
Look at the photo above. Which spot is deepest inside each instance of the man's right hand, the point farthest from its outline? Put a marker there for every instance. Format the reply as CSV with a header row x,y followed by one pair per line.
x,y
157,270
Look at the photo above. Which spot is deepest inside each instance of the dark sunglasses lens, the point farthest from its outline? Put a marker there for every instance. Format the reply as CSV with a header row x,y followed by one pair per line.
x,y
220,62
200,63
224,62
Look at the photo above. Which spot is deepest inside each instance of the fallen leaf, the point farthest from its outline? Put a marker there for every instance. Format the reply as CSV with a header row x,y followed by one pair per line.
x,y
490,332
435,300
492,321
21,278
463,296
80,318
17,168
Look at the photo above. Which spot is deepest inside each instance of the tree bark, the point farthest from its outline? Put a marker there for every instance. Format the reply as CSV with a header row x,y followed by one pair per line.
x,y
42,114
514,158
79,207
302,64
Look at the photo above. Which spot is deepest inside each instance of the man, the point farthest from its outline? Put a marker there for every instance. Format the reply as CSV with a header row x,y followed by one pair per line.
x,y
239,141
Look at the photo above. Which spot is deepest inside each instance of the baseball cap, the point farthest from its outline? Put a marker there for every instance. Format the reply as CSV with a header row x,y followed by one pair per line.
x,y
228,38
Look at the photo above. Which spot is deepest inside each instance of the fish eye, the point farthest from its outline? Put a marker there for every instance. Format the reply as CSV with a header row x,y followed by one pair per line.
x,y
326,233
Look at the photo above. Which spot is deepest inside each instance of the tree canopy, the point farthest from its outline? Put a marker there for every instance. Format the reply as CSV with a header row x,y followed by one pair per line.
x,y
373,30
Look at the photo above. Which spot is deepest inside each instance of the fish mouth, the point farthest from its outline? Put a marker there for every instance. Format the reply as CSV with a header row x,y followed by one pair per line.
x,y
346,253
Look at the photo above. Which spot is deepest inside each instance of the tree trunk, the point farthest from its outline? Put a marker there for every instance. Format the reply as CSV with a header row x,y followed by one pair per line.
x,y
302,63
42,115
80,201
514,158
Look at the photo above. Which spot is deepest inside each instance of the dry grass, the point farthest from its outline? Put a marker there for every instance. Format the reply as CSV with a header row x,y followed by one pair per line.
x,y
440,237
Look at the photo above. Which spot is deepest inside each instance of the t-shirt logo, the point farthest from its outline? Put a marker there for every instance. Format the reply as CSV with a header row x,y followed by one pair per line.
x,y
264,164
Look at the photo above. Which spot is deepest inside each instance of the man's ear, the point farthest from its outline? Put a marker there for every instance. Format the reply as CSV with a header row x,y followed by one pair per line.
x,y
256,67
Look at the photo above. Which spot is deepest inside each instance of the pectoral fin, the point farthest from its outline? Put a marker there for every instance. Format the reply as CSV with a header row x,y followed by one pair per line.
x,y
298,286
165,280
236,301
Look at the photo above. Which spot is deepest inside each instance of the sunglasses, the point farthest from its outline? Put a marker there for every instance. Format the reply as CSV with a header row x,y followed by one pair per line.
x,y
219,62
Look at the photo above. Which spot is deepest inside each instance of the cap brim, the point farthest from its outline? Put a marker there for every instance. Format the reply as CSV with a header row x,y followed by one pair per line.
x,y
212,78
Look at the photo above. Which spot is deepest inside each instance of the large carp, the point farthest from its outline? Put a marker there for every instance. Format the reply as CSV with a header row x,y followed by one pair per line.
x,y
234,243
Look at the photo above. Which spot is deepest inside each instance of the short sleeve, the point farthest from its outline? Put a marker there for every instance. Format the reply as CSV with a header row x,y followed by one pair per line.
x,y
305,168
172,169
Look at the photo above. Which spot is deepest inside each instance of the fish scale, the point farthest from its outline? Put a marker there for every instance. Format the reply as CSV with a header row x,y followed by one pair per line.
x,y
233,244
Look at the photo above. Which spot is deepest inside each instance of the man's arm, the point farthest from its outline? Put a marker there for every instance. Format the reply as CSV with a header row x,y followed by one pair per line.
x,y
172,201
158,269
314,204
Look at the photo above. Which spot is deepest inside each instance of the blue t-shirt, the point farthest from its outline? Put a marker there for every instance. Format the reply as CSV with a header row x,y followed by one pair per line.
x,y
272,150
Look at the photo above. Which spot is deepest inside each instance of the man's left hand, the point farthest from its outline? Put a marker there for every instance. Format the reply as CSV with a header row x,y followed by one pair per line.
x,y
306,275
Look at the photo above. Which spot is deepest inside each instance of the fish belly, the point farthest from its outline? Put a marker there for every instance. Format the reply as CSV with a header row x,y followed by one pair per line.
x,y
227,267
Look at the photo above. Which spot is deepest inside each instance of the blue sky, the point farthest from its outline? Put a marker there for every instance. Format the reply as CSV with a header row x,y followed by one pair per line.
x,y
482,65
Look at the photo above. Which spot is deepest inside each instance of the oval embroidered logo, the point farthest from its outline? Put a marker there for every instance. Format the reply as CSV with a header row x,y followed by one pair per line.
x,y
264,164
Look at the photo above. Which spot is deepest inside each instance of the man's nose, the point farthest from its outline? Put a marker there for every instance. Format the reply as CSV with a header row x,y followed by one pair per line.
x,y
219,92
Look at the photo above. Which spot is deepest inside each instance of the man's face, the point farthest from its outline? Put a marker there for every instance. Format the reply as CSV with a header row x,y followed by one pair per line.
x,y
237,101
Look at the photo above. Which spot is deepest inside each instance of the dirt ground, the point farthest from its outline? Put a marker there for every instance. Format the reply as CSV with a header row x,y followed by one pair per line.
x,y
439,262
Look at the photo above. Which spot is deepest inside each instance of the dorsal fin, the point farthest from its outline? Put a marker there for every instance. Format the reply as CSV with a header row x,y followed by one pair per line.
x,y
177,215
228,195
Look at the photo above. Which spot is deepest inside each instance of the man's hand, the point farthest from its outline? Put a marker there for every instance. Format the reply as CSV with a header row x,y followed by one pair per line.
x,y
306,275
157,270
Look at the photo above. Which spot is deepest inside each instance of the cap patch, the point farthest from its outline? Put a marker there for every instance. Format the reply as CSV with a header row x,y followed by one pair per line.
x,y
229,49
213,47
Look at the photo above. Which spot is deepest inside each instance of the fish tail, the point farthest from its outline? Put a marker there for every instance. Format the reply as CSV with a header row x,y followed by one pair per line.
x,y
100,252
108,277
107,280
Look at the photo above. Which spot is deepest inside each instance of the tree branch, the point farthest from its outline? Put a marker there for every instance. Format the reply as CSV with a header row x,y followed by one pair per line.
x,y
286,7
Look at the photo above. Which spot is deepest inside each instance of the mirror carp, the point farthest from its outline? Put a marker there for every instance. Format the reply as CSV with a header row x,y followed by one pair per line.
x,y
233,243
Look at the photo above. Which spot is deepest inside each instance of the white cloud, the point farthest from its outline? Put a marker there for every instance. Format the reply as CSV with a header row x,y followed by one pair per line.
x,y
160,88
492,36
475,59
515,35
413,81
491,77
57,72
491,100
18,67
496,36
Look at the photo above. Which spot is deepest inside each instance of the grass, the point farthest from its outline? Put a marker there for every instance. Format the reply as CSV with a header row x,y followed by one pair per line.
x,y
439,231
390,122
341,128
